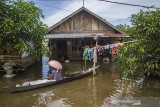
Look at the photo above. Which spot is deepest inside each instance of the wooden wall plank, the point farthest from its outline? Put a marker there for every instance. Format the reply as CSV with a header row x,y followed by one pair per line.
x,y
83,22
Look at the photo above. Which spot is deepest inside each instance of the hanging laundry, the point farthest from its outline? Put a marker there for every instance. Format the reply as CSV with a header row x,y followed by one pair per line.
x,y
114,52
120,44
90,54
107,52
106,46
100,50
85,53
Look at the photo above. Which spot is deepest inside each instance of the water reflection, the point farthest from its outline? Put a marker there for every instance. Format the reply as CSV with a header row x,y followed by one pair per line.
x,y
90,91
45,67
49,99
93,89
128,92
43,98
124,92
58,103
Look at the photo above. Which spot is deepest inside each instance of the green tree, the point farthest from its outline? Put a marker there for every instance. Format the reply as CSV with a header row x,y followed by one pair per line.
x,y
130,30
20,24
143,57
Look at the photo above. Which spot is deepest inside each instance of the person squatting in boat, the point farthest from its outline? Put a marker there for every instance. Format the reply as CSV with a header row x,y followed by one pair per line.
x,y
55,74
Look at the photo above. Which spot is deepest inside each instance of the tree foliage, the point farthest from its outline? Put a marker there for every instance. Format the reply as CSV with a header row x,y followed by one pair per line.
x,y
143,57
20,25
131,31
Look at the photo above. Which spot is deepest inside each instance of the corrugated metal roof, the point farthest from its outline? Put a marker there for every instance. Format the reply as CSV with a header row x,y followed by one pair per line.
x,y
82,35
65,36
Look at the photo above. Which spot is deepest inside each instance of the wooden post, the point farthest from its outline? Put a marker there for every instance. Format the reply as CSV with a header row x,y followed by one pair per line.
x,y
95,59
69,49
96,38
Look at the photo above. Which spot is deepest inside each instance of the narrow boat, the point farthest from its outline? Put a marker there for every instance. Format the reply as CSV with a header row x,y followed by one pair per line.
x,y
44,83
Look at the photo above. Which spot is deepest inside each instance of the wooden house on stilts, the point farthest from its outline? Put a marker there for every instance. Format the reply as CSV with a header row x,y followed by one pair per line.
x,y
67,37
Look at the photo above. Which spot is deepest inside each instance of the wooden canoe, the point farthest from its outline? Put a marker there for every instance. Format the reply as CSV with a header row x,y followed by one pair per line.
x,y
69,77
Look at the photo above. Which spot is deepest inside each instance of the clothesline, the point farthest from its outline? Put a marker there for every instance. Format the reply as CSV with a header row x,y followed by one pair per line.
x,y
130,41
118,44
105,50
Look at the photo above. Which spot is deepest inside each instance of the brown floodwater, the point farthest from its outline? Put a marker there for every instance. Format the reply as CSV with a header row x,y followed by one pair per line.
x,y
106,89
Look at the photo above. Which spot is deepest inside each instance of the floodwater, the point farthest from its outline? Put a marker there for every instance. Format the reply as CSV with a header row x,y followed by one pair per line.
x,y
106,89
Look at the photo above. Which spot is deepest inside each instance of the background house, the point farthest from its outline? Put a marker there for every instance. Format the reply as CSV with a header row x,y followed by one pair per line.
x,y
21,61
67,37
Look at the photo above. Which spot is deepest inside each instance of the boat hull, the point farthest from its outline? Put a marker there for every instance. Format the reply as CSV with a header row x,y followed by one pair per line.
x,y
51,83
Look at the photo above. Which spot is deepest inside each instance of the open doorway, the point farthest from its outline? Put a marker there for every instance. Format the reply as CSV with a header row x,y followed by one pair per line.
x,y
61,49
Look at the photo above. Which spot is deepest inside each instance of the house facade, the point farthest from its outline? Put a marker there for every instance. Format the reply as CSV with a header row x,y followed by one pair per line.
x,y
68,37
